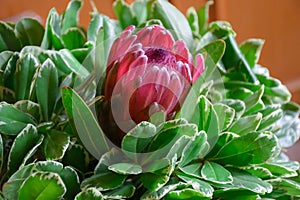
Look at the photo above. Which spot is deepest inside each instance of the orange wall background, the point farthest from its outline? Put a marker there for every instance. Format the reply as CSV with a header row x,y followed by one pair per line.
x,y
276,21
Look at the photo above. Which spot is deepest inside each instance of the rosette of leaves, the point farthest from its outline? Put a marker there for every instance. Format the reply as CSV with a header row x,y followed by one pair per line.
x,y
227,141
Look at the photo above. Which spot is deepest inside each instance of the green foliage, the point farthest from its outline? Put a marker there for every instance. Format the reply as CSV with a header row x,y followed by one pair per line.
x,y
227,141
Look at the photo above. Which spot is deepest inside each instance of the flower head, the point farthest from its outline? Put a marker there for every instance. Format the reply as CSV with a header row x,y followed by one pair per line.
x,y
149,72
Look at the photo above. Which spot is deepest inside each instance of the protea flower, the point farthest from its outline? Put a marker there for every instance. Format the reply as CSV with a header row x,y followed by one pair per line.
x,y
148,72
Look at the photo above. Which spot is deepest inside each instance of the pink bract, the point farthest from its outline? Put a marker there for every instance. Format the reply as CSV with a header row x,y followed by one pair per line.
x,y
148,71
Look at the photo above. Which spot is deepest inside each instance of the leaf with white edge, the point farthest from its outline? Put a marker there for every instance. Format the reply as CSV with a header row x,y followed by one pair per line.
x,y
87,126
246,149
125,191
126,168
89,194
73,38
236,194
137,139
286,186
192,18
246,124
111,157
104,181
30,108
47,88
187,193
23,147
55,144
174,20
139,8
25,71
29,31
225,115
15,181
8,39
251,49
258,171
254,99
9,71
238,105
197,148
71,15
67,174
160,193
242,179
124,13
42,185
216,173
193,170
158,174
271,114
77,157
280,170
201,187
12,121
1,152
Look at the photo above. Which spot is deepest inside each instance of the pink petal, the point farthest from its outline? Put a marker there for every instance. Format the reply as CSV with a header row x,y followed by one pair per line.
x,y
181,50
199,67
155,36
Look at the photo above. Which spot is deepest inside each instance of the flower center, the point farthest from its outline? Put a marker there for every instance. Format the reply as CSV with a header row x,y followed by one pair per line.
x,y
160,56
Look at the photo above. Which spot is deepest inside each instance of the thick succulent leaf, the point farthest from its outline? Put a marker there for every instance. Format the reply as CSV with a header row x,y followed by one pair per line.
x,y
187,193
12,121
192,18
225,115
197,148
215,173
242,179
42,185
199,187
160,193
139,9
280,170
193,170
30,108
73,38
286,186
29,31
124,13
77,157
47,88
9,71
71,15
23,147
173,20
238,105
87,126
271,114
203,15
236,194
246,124
15,181
1,152
55,144
126,168
67,174
246,149
251,49
25,71
104,181
111,157
8,38
233,59
89,194
258,171
123,192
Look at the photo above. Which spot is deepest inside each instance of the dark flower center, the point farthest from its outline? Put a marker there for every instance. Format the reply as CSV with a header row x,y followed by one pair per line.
x,y
160,56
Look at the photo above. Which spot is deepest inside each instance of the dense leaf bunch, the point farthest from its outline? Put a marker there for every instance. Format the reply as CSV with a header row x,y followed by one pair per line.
x,y
227,141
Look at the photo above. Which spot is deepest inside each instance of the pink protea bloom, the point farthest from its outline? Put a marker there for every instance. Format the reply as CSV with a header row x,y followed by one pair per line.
x,y
148,72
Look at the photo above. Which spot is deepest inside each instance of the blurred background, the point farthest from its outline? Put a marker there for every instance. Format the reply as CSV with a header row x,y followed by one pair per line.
x,y
275,21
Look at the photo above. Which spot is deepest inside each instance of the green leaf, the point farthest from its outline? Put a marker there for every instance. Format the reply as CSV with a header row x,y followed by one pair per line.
x,y
139,9
42,185
242,179
15,181
271,114
173,20
87,126
25,71
213,53
193,20
30,108
238,105
9,72
246,124
77,157
247,149
125,191
4,58
126,168
203,16
187,193
215,173
47,88
258,171
234,60
225,115
24,146
111,157
12,121
200,188
71,15
1,152
67,174
195,149
286,186
29,31
124,13
73,38
251,49
236,194
254,99
137,139
55,144
89,194
8,39
104,181
280,170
